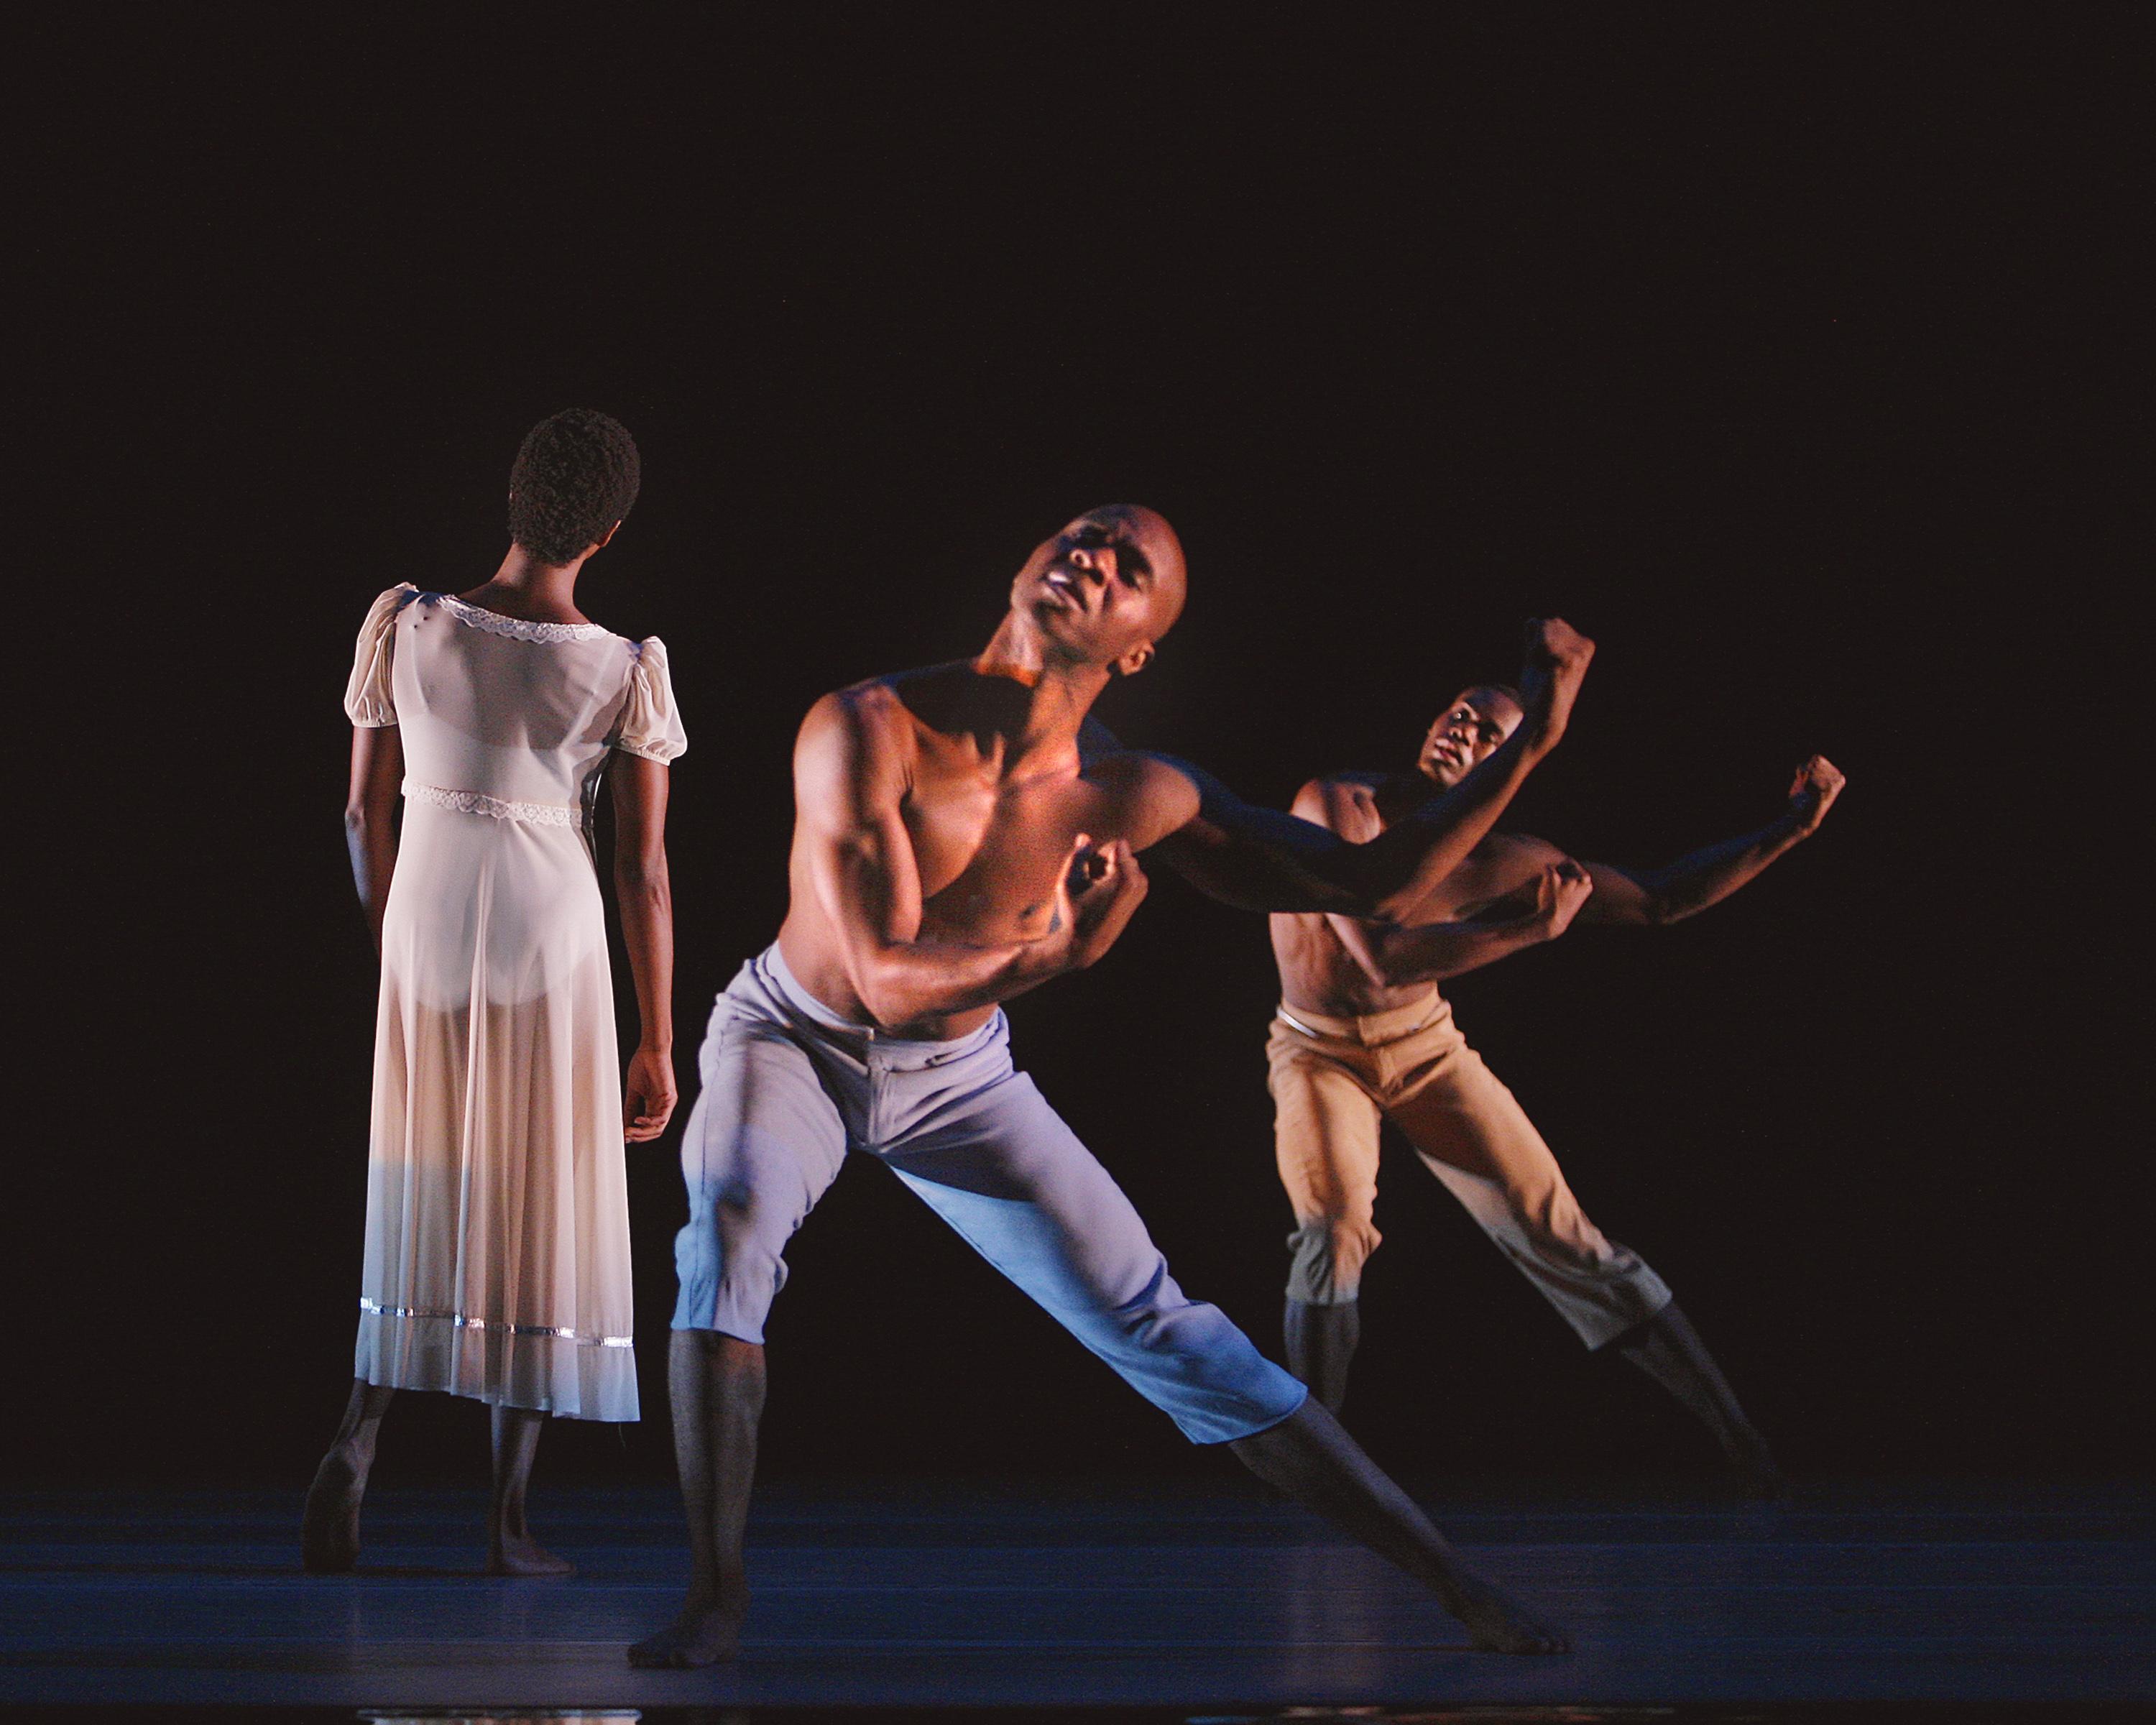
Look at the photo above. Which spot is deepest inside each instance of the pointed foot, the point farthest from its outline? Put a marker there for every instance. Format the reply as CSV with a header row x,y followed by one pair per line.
x,y
1499,1623
696,1638
329,1529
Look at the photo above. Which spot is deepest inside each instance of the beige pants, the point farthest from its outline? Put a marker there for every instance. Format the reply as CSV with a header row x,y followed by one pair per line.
x,y
1334,1079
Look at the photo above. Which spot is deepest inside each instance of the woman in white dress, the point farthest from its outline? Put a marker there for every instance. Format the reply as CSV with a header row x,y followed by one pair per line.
x,y
497,1257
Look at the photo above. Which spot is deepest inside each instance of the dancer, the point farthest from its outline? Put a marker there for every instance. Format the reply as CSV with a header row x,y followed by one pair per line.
x,y
958,840
1363,1034
497,1261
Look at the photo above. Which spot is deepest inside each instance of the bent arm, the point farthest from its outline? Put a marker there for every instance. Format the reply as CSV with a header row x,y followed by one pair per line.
x,y
1427,952
1395,958
1652,897
1258,858
1262,859
370,817
849,783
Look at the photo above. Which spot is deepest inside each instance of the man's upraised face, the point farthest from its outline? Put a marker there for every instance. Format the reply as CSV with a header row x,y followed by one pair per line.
x,y
1105,588
1467,733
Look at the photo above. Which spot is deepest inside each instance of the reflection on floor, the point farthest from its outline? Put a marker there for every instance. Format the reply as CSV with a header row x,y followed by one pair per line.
x,y
1177,1601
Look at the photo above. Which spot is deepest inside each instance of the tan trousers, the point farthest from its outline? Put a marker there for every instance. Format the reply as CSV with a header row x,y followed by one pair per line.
x,y
1334,1079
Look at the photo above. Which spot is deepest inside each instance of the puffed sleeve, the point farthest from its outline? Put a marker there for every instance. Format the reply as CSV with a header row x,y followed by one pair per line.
x,y
367,700
650,724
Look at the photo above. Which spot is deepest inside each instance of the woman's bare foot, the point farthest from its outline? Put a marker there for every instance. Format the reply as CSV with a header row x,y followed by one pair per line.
x,y
329,1530
1498,1622
702,1635
521,1554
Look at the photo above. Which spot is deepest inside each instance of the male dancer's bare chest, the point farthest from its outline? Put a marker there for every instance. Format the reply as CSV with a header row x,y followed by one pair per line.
x,y
989,857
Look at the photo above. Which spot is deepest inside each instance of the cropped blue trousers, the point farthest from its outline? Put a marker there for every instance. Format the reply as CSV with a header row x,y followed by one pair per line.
x,y
789,1089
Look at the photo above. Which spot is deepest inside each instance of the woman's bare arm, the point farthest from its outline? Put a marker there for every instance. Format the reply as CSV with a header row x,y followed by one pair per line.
x,y
639,787
370,817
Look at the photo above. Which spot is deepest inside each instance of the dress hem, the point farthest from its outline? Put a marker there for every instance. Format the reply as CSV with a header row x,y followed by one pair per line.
x,y
521,1366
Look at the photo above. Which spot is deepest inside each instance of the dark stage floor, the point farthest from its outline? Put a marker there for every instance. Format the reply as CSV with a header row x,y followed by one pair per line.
x,y
1205,1599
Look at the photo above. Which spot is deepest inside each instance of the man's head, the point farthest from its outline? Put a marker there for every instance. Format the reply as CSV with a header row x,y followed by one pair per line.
x,y
1469,731
574,479
1104,589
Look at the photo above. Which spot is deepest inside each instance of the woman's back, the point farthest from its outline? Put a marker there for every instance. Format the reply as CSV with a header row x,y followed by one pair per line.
x,y
517,713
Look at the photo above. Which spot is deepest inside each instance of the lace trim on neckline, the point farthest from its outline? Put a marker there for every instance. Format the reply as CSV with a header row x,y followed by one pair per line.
x,y
536,815
516,628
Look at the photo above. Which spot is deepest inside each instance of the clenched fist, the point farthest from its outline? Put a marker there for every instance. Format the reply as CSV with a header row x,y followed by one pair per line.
x,y
1818,783
1557,656
1563,888
1102,889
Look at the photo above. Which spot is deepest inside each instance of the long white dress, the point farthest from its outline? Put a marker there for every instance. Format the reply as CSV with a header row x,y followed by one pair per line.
x,y
497,1259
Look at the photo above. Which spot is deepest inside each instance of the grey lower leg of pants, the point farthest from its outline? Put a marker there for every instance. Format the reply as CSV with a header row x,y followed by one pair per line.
x,y
1669,1350
1320,1341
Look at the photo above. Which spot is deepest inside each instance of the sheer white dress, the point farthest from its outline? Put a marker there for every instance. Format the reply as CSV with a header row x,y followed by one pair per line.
x,y
497,1259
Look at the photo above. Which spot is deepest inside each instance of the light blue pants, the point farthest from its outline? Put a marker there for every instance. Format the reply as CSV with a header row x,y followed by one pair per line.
x,y
789,1088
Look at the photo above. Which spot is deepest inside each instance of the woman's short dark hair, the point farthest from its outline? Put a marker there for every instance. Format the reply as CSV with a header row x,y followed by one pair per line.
x,y
574,478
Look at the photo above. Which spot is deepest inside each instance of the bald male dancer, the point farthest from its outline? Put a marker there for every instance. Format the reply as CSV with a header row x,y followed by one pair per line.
x,y
963,834
1362,1034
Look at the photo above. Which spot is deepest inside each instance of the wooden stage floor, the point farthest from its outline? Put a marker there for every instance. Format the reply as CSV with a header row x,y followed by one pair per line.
x,y
1201,1598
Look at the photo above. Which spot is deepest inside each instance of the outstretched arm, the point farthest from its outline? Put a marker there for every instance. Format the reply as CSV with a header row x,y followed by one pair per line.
x,y
1652,897
646,896
1259,859
370,817
848,784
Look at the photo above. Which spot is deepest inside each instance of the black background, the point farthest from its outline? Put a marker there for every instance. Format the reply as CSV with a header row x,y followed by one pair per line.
x,y
1790,352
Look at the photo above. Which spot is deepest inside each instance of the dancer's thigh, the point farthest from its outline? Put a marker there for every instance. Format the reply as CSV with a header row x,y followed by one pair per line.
x,y
1471,1131
1016,1182
1324,1134
764,1143
1325,1144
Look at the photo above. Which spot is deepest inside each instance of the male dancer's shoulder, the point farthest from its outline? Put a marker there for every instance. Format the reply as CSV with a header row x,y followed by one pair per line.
x,y
891,704
1524,849
1344,803
854,749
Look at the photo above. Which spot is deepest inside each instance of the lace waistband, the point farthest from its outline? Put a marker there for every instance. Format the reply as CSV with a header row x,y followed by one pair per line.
x,y
537,815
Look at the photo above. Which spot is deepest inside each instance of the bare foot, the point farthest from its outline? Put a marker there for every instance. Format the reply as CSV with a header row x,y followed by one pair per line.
x,y
524,1556
701,1636
1499,1623
329,1530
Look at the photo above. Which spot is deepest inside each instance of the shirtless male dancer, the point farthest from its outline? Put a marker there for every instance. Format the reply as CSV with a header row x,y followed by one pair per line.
x,y
1362,1034
958,842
